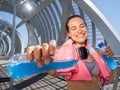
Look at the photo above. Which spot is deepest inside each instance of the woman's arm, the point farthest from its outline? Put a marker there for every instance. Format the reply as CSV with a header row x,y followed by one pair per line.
x,y
52,73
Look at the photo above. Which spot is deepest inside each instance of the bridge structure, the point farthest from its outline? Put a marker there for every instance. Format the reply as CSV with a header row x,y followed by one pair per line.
x,y
45,20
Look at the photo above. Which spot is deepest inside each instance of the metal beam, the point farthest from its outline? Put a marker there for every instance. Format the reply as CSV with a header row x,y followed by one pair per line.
x,y
66,12
35,12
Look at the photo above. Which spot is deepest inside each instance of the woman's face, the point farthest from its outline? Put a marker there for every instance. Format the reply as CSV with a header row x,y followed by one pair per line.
x,y
77,31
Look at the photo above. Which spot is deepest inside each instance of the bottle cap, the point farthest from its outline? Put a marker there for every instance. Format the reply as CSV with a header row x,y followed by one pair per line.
x,y
100,44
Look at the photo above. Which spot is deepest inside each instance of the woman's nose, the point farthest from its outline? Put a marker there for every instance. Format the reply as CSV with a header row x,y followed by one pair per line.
x,y
79,30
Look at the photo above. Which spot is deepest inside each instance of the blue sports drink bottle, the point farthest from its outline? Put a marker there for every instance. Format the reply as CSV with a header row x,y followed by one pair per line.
x,y
109,61
20,67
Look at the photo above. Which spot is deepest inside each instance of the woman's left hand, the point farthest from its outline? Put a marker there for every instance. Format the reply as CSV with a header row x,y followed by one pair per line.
x,y
109,52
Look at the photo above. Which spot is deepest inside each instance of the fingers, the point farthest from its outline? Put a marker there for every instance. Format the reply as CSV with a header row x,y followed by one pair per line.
x,y
45,53
41,54
48,50
30,53
109,52
38,55
34,53
52,47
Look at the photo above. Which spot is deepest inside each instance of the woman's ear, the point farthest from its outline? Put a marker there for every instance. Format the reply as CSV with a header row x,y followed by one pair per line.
x,y
68,34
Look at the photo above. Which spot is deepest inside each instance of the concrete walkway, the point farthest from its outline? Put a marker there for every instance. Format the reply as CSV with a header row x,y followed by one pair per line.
x,y
37,82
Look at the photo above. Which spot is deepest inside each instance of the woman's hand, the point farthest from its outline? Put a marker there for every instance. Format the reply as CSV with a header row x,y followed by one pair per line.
x,y
41,53
52,73
109,52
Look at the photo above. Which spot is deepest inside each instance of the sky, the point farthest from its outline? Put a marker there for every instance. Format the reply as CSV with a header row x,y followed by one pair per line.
x,y
109,8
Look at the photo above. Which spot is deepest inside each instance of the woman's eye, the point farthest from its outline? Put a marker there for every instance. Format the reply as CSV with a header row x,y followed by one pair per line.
x,y
82,26
73,28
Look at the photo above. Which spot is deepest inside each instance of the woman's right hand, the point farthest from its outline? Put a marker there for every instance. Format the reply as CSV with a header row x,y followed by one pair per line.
x,y
41,53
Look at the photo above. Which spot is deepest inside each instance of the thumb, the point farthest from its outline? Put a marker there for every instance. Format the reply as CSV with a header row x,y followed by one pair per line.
x,y
52,47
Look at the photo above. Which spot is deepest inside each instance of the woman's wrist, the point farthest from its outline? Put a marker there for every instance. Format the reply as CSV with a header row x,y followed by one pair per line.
x,y
52,73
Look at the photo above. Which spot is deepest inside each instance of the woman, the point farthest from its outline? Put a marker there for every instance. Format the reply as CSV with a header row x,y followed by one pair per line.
x,y
89,70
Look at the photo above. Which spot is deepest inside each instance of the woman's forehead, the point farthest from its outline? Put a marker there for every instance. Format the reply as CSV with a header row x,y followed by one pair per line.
x,y
75,20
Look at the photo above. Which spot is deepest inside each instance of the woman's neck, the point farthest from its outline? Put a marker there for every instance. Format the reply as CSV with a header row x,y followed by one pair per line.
x,y
79,44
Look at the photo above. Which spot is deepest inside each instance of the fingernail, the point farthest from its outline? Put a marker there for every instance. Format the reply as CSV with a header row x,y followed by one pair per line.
x,y
51,50
51,53
47,61
39,65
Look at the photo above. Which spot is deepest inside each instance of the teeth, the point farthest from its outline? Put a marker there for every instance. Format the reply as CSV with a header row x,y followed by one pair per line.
x,y
80,35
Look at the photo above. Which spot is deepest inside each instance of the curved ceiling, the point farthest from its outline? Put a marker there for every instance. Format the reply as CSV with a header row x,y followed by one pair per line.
x,y
6,39
45,20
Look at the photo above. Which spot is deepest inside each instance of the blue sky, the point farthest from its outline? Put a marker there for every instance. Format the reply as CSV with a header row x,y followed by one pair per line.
x,y
110,9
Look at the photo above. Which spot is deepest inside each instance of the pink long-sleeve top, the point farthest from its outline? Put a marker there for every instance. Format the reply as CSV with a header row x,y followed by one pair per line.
x,y
79,72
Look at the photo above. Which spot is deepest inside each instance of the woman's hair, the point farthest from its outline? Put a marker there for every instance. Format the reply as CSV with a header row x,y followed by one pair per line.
x,y
73,16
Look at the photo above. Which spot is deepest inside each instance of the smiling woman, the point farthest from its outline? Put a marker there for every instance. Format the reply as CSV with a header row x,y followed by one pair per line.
x,y
90,68
46,21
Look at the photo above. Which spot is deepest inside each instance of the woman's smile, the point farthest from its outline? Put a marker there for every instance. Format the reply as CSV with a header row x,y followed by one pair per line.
x,y
77,30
